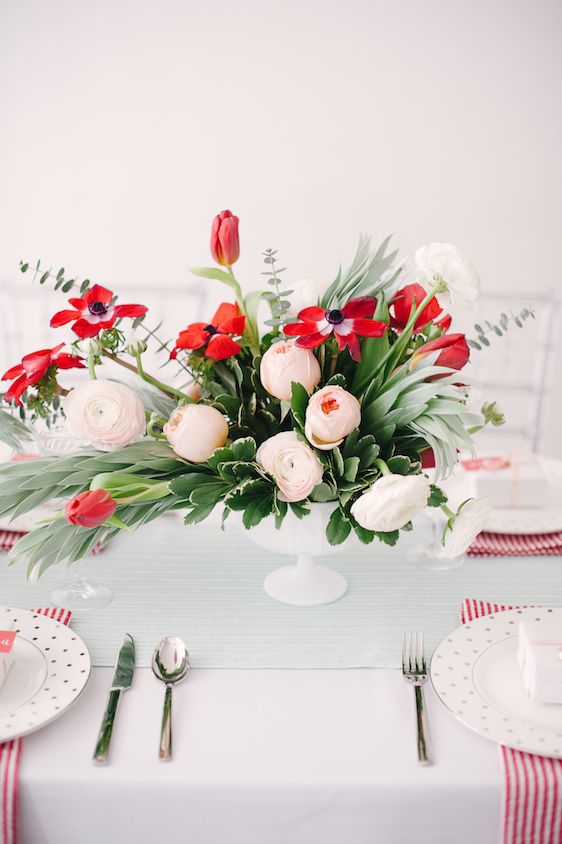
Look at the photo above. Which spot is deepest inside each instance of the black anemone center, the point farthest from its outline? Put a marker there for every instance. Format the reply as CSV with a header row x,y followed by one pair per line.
x,y
210,329
335,317
97,308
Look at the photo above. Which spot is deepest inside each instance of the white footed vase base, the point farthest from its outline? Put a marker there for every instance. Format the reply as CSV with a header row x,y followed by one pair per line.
x,y
305,584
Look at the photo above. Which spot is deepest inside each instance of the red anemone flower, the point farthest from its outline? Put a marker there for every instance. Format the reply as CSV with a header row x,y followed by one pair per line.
x,y
94,311
34,367
215,335
346,323
410,297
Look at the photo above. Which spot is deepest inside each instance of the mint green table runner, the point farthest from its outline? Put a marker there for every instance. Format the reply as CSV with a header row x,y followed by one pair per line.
x,y
206,586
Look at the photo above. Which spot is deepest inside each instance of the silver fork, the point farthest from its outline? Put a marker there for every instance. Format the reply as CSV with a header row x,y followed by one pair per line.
x,y
414,669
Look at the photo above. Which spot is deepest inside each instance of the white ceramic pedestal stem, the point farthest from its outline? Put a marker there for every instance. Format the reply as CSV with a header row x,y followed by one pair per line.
x,y
305,584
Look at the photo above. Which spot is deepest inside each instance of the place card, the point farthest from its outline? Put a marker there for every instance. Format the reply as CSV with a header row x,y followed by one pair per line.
x,y
7,638
540,658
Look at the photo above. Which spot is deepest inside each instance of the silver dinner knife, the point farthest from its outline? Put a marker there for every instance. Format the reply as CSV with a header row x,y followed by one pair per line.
x,y
122,680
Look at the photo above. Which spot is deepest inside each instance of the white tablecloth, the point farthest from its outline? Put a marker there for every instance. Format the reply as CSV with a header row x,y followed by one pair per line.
x,y
261,757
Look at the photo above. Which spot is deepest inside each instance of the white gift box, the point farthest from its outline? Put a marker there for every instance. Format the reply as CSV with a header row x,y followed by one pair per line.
x,y
512,481
540,658
7,638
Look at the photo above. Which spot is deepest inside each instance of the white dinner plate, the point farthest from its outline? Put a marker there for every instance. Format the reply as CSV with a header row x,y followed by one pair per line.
x,y
50,669
476,675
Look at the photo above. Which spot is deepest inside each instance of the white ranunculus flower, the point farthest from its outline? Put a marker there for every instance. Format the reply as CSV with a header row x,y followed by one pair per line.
x,y
306,293
391,502
443,262
195,430
292,463
106,414
471,519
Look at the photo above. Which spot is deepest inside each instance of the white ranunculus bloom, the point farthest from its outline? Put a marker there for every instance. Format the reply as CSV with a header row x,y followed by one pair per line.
x,y
195,430
306,293
391,502
106,414
292,463
442,262
470,520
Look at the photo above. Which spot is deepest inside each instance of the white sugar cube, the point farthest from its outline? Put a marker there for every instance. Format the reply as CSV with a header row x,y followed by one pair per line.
x,y
540,658
7,638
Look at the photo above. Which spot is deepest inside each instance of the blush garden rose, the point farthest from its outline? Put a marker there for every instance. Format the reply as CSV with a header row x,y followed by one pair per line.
x,y
332,413
284,363
195,430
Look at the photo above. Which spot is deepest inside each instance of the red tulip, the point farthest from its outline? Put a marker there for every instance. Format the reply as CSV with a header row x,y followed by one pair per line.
x,y
91,508
454,351
225,243
410,297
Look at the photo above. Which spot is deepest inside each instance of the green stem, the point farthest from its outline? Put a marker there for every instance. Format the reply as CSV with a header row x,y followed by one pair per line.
x,y
253,335
380,463
155,383
333,364
448,512
92,366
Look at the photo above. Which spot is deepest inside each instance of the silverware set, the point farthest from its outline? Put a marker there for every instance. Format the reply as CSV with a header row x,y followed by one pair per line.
x,y
414,671
170,665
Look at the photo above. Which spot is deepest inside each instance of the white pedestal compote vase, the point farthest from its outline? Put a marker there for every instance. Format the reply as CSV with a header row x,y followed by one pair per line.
x,y
304,584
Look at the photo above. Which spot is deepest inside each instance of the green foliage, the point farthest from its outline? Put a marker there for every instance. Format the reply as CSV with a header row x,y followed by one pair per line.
x,y
499,328
437,497
14,432
278,304
364,277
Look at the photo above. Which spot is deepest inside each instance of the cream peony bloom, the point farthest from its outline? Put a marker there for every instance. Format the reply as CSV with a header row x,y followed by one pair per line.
x,y
106,414
284,363
444,263
306,293
391,502
195,430
332,413
470,520
292,463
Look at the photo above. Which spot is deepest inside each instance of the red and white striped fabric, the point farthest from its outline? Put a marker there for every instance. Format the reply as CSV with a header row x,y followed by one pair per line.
x,y
533,784
10,754
516,545
8,539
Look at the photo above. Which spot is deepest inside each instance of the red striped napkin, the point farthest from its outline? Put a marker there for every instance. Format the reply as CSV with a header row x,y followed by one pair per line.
x,y
10,753
516,545
533,784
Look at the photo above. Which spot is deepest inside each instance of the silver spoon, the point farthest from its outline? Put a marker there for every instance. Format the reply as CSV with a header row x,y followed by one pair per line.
x,y
170,664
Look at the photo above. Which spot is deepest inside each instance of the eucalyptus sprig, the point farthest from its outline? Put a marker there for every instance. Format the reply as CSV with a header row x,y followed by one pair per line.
x,y
278,305
498,329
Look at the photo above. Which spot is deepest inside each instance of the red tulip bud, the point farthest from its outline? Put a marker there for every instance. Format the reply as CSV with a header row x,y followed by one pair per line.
x,y
225,243
454,351
427,458
90,509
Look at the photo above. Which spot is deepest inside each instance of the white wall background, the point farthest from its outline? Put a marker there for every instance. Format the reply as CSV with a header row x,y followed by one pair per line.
x,y
127,124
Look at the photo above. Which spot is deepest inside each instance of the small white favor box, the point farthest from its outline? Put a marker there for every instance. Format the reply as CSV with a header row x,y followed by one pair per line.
x,y
540,659
7,638
516,481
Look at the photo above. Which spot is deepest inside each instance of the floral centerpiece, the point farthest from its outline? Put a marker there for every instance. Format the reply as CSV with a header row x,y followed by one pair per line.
x,y
350,393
